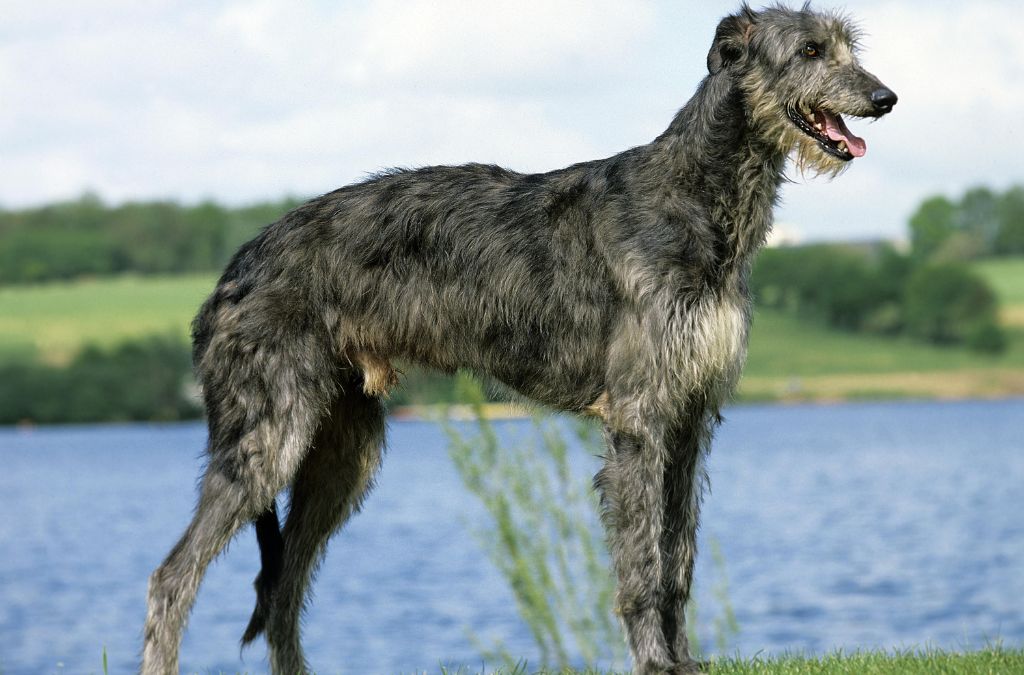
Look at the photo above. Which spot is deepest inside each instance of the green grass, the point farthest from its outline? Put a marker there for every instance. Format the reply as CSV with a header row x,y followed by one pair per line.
x,y
56,319
930,662
989,661
793,359
783,345
1006,275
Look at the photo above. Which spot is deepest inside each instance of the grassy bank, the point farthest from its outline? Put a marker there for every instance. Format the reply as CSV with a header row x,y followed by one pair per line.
x,y
790,359
991,661
987,662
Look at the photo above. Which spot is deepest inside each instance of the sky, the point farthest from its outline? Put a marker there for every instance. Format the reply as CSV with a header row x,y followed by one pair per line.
x,y
248,101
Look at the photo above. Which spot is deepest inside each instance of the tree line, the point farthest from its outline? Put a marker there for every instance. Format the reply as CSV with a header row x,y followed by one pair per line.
x,y
86,237
981,223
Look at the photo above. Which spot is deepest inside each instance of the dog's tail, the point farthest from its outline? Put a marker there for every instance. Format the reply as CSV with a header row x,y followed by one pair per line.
x,y
268,535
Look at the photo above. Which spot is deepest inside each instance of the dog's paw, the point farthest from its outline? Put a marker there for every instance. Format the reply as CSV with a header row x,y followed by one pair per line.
x,y
689,667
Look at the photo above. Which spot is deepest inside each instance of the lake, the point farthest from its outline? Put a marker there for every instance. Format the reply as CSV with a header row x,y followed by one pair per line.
x,y
874,525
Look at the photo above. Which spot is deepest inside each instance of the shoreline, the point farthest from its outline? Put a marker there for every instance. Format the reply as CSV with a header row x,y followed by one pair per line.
x,y
768,391
941,385
513,411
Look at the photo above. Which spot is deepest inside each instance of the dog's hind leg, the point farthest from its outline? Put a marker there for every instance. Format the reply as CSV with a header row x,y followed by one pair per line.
x,y
260,424
271,543
229,499
330,484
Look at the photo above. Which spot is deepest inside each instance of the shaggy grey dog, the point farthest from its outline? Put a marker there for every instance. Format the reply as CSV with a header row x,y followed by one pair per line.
x,y
616,287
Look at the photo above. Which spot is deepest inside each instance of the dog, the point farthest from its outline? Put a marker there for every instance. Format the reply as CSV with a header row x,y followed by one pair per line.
x,y
616,287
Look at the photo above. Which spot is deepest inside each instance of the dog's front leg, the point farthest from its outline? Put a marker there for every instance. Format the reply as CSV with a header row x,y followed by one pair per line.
x,y
683,486
631,490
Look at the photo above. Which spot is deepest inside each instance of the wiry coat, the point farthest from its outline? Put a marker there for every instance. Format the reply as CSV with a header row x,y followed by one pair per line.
x,y
616,287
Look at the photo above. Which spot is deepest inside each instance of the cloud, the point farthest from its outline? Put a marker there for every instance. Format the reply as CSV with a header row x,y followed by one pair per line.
x,y
440,43
243,101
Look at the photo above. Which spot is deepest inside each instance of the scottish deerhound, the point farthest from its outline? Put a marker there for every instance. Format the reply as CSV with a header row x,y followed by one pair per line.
x,y
616,287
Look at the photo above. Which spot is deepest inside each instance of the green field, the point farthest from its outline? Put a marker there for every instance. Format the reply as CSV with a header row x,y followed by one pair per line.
x,y
54,320
789,358
1006,277
781,344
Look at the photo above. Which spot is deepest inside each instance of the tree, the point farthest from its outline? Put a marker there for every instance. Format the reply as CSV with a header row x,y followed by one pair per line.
x,y
1010,238
933,222
979,217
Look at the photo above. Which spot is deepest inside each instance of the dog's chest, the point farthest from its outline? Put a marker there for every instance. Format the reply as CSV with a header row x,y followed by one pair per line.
x,y
714,345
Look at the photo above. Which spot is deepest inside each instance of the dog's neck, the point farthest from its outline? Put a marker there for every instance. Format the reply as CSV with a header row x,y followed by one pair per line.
x,y
723,164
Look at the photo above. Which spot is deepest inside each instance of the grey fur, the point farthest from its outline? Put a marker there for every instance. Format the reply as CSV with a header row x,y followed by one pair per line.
x,y
616,287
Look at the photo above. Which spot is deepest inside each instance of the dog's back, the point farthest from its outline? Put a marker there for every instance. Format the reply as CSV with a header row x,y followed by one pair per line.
x,y
450,267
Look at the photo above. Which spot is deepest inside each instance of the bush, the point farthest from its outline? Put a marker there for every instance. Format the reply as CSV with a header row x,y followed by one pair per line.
x,y
948,304
142,380
853,288
988,338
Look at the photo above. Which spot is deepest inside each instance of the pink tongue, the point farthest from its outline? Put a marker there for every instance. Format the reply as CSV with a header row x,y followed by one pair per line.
x,y
836,129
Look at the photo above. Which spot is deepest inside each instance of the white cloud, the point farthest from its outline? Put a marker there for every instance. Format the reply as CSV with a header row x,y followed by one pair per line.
x,y
463,42
264,96
249,100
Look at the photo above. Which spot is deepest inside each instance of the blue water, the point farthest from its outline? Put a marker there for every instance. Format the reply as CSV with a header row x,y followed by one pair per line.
x,y
862,525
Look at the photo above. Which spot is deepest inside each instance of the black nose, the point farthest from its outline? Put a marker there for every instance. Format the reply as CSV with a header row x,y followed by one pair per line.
x,y
883,99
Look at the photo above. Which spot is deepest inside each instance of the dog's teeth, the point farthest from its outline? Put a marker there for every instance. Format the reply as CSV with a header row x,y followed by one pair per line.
x,y
842,145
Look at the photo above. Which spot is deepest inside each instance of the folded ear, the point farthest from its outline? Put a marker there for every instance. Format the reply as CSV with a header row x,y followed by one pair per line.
x,y
731,39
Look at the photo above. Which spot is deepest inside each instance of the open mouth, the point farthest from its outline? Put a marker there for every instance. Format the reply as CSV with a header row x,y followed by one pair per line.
x,y
830,131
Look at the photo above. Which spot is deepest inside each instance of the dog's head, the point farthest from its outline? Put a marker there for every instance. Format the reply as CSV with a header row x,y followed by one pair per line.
x,y
800,75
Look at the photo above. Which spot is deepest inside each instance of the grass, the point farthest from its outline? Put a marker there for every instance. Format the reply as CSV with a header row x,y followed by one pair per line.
x,y
789,359
989,661
56,319
929,662
1006,276
792,359
783,344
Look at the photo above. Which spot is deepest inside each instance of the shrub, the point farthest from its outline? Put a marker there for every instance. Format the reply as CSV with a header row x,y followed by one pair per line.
x,y
141,380
948,304
987,337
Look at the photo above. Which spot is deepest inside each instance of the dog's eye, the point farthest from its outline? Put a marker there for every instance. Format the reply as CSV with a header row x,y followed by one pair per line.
x,y
811,50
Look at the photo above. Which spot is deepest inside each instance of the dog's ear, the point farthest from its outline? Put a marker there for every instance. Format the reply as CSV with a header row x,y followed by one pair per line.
x,y
731,39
